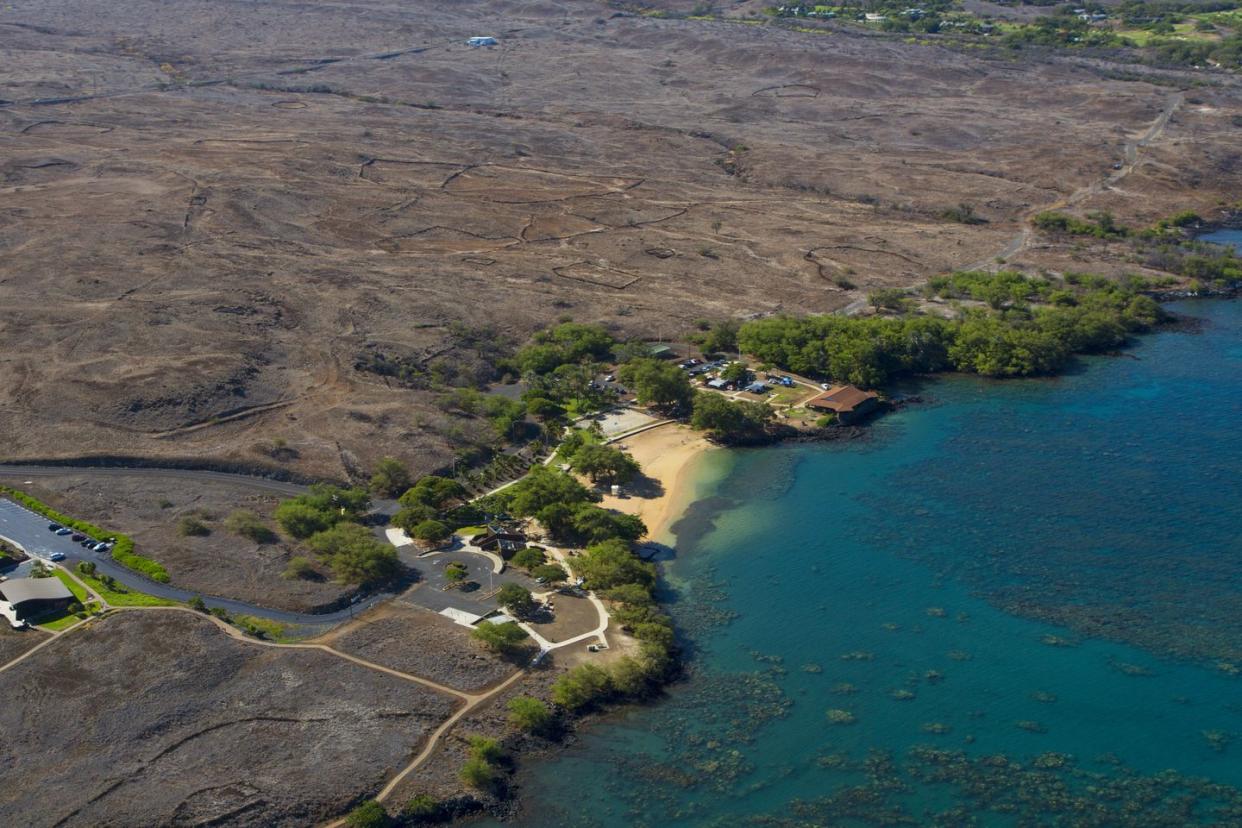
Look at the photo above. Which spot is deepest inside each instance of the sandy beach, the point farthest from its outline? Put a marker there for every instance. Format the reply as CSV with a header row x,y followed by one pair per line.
x,y
666,454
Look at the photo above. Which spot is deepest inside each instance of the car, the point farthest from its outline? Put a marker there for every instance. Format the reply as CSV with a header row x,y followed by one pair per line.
x,y
610,378
53,527
99,547
78,537
824,386
64,531
57,556
89,543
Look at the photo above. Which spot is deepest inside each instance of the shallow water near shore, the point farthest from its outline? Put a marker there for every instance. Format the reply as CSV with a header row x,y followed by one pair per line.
x,y
1020,600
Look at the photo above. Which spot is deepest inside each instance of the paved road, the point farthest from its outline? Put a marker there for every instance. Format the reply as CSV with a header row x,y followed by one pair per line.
x,y
29,530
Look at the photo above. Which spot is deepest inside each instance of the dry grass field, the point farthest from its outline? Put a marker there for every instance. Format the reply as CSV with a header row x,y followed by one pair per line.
x,y
159,718
248,197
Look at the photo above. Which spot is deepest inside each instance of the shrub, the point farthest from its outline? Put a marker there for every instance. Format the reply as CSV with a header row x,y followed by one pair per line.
x,y
196,603
299,567
529,714
478,774
369,814
582,686
502,638
486,749
423,808
86,567
249,525
191,526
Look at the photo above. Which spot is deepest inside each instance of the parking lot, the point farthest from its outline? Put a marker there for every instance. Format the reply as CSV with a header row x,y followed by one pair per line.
x,y
29,531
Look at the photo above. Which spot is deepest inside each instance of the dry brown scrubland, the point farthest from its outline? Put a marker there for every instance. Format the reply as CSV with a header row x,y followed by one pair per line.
x,y
190,271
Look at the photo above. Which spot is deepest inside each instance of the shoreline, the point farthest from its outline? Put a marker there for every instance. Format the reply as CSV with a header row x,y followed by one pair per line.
x,y
669,456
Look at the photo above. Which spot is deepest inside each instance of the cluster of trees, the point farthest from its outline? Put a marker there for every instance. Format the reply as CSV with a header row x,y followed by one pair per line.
x,y
1009,338
658,383
727,420
1062,29
601,463
535,562
327,518
482,770
505,416
612,570
1099,224
568,343
424,507
565,507
1226,52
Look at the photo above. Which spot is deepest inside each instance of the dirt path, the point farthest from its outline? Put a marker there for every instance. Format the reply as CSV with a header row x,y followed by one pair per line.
x,y
1129,165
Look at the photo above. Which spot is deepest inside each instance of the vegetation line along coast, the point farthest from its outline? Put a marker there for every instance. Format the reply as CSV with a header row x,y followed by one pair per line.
x,y
610,431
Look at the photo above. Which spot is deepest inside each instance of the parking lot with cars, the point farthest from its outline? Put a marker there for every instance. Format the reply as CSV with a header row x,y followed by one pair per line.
x,y
36,535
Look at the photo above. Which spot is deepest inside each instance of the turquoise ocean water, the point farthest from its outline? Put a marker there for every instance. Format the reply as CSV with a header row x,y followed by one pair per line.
x,y
1017,603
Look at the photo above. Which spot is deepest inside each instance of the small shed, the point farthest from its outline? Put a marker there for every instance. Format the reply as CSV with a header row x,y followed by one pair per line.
x,y
849,403
757,388
482,40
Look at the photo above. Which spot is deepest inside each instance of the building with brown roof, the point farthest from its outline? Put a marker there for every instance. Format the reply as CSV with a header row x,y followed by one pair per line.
x,y
850,404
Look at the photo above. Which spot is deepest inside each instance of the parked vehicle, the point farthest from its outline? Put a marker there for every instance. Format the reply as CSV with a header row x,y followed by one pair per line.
x,y
78,537
53,527
64,531
57,556
89,543
100,547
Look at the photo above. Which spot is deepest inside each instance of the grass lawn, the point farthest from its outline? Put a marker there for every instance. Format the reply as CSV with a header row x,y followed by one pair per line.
x,y
470,531
79,594
59,623
122,596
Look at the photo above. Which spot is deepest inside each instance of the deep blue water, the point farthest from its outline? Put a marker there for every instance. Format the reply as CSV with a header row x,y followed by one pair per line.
x,y
1023,598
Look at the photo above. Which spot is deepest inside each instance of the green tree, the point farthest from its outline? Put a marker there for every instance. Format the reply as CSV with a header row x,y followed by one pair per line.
x,y
720,338
604,464
391,477
544,409
369,814
543,487
516,599
610,564
550,572
528,558
434,492
355,555
301,520
735,372
502,638
594,524
529,714
582,686
657,383
725,419
431,531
